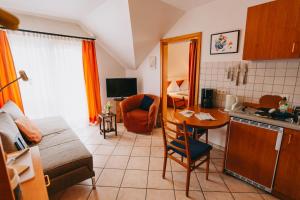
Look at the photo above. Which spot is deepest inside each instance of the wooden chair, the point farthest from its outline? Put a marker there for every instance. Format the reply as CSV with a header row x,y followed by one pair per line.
x,y
180,142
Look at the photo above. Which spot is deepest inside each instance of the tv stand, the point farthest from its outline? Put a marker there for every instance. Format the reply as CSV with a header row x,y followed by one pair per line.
x,y
119,117
119,99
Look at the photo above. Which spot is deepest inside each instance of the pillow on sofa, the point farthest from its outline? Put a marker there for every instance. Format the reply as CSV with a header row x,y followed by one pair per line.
x,y
13,110
29,129
11,138
146,103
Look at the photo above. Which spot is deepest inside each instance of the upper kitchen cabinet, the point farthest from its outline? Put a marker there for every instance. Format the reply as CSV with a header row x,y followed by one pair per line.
x,y
273,31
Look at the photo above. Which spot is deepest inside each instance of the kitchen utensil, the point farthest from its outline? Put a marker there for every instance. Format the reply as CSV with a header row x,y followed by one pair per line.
x,y
245,74
232,73
238,71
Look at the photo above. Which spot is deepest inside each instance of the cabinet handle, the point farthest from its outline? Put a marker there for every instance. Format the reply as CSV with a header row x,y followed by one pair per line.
x,y
290,139
278,141
293,47
47,180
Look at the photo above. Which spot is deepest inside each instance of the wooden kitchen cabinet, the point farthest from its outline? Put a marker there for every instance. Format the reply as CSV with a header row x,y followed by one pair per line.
x,y
273,31
287,179
251,152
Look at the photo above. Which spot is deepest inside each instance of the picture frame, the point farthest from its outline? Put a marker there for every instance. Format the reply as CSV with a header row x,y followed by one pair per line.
x,y
224,42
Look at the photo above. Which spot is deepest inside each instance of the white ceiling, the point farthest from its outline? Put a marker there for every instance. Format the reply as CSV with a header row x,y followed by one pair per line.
x,y
186,4
127,29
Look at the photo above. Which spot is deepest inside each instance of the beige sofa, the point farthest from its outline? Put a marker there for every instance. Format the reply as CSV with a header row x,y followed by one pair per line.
x,y
64,158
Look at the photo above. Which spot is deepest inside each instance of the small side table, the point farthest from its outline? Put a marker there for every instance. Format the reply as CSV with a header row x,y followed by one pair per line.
x,y
108,123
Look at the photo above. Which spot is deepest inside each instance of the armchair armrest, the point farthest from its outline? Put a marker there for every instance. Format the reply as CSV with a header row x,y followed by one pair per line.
x,y
153,110
130,103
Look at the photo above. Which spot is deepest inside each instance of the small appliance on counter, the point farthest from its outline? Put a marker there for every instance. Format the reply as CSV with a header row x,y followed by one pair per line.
x,y
207,98
231,102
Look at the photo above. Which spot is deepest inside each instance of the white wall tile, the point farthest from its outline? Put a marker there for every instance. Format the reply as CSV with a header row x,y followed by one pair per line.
x,y
269,80
292,72
279,80
290,81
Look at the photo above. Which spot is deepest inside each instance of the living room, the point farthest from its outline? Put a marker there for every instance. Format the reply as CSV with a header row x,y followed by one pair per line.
x,y
160,99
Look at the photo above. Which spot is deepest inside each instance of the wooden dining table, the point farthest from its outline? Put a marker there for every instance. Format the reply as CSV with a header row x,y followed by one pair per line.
x,y
221,118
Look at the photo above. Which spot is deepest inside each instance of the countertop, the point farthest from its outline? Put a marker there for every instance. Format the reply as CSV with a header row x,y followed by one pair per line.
x,y
250,116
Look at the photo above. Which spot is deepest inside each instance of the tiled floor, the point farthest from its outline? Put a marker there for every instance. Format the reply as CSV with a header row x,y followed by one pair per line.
x,y
129,167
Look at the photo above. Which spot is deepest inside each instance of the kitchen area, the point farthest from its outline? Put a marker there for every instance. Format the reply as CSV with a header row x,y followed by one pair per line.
x,y
262,142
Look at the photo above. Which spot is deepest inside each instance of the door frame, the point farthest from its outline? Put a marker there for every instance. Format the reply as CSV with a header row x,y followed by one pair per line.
x,y
164,63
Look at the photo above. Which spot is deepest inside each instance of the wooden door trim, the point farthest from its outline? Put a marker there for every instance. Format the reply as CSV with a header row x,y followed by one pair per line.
x,y
164,60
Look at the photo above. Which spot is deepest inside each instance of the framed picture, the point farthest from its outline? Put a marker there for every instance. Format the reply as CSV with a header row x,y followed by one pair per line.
x,y
223,43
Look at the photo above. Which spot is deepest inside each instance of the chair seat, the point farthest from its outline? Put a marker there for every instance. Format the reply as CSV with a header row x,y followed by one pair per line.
x,y
197,148
199,131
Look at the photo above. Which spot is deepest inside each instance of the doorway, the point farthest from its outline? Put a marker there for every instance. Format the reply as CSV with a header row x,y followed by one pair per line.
x,y
191,95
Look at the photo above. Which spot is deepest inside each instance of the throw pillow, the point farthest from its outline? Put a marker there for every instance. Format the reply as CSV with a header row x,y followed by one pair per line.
x,y
146,103
29,129
13,110
11,138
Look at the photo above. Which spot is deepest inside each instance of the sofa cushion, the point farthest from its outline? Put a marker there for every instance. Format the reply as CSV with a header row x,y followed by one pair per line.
x,y
146,103
139,117
63,158
29,129
10,134
51,125
13,110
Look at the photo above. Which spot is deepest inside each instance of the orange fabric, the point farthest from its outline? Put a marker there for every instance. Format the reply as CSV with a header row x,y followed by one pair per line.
x,y
29,130
91,78
137,120
192,72
179,82
8,74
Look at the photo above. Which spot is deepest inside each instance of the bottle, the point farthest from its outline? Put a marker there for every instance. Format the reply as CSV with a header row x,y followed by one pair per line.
x,y
283,105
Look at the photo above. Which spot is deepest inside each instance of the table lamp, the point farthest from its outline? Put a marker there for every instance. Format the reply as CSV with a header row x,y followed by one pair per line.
x,y
22,76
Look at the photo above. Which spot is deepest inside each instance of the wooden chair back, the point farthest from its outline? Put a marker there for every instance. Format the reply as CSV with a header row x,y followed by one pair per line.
x,y
178,103
171,133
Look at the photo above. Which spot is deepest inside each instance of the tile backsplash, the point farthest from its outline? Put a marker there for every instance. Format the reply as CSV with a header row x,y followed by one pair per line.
x,y
280,77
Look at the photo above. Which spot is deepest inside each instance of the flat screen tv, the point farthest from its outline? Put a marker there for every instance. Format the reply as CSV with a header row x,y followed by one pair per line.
x,y
121,87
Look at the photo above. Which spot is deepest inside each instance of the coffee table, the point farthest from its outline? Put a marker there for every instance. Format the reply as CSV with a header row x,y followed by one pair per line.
x,y
108,123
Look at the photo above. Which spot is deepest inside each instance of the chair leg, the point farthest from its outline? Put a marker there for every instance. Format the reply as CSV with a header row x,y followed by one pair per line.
x,y
188,176
207,165
94,183
181,158
206,136
164,167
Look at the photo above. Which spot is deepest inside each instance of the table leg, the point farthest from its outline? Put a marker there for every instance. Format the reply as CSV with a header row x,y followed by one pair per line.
x,y
100,126
104,128
116,131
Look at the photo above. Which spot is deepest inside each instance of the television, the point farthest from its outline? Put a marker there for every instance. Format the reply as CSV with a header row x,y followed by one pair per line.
x,y
121,87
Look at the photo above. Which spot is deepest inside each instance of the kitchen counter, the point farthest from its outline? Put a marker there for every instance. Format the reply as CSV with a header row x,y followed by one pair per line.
x,y
250,116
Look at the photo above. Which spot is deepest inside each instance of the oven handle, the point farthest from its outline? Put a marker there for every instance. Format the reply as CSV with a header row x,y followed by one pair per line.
x,y
278,140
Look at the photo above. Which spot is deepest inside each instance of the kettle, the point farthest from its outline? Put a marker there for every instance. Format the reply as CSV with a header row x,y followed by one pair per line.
x,y
231,102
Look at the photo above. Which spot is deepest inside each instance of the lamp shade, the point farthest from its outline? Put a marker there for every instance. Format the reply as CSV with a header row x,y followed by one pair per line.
x,y
23,75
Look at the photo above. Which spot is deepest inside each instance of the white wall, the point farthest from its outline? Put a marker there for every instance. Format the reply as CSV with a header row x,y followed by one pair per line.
x,y
178,60
107,65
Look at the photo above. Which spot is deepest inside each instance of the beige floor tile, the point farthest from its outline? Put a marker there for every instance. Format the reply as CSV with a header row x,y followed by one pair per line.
x,y
216,153
111,139
131,194
155,180
104,150
125,140
95,139
214,183
91,147
135,179
153,194
142,142
89,181
236,185
218,196
140,151
138,163
246,196
179,179
268,197
122,151
218,163
193,195
176,167
100,160
157,164
111,177
157,142
77,192
117,162
202,168
104,193
157,152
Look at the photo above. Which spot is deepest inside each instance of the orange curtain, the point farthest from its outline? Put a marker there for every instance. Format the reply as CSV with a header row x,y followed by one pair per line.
x,y
91,78
8,74
192,71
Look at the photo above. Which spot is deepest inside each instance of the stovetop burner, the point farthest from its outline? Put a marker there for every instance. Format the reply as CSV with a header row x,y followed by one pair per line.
x,y
276,115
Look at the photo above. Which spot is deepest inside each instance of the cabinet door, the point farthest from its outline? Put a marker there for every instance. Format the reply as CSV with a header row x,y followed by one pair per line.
x,y
287,179
286,30
251,152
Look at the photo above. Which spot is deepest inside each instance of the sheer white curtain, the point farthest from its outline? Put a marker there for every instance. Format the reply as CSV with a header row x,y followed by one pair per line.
x,y
54,67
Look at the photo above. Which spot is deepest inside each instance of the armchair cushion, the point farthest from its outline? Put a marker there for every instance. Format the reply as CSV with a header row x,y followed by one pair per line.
x,y
146,103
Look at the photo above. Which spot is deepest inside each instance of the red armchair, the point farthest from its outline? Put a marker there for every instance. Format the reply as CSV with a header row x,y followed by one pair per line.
x,y
138,120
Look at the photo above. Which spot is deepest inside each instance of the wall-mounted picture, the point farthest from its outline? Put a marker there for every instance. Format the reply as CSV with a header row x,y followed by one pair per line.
x,y
226,42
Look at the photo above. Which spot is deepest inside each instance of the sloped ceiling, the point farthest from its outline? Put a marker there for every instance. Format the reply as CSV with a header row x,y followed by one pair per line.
x,y
186,4
127,29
